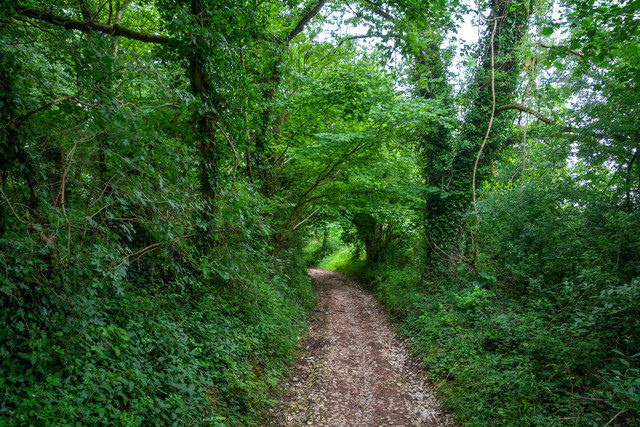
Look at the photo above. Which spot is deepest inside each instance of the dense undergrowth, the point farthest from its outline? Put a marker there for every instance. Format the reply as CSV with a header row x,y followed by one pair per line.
x,y
142,280
532,350
168,338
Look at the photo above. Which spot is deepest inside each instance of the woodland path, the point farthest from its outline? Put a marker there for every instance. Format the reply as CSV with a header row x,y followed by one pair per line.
x,y
353,369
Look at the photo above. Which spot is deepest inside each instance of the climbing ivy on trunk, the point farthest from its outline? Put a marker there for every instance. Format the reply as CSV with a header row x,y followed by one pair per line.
x,y
451,156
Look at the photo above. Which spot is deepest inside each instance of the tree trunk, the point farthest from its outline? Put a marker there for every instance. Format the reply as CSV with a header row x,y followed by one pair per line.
x,y
204,122
446,208
325,239
375,236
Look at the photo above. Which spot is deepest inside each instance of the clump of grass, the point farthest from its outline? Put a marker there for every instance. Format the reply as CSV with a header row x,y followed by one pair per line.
x,y
347,260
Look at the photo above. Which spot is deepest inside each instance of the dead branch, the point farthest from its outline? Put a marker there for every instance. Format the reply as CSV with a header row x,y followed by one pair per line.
x,y
141,252
61,195
20,220
614,417
306,219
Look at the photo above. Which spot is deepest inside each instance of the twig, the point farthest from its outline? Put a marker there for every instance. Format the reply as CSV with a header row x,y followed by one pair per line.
x,y
235,153
62,191
95,107
47,283
9,203
614,417
24,117
528,110
612,178
142,251
364,36
566,49
306,219
11,296
104,190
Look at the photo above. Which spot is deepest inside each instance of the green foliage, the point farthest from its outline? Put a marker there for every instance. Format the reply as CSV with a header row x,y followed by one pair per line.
x,y
344,257
162,164
544,329
452,161
322,244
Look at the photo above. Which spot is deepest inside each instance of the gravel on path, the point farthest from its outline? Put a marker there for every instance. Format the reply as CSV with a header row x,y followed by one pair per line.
x,y
353,369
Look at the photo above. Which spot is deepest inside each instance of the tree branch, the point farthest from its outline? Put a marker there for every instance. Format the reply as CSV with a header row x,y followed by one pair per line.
x,y
376,9
235,153
528,110
566,49
116,23
25,116
90,26
364,36
305,20
306,219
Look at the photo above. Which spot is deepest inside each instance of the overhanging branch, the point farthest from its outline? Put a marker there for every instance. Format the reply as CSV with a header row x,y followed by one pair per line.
x,y
25,116
364,36
376,9
90,26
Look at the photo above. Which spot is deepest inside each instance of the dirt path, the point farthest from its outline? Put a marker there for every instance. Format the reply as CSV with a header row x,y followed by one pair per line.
x,y
353,369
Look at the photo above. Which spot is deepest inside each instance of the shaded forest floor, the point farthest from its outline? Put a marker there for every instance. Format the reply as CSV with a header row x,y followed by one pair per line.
x,y
353,368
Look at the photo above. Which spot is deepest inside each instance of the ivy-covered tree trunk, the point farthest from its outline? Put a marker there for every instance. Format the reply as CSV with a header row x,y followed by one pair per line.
x,y
375,235
451,183
14,159
7,131
325,239
272,80
204,120
435,146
